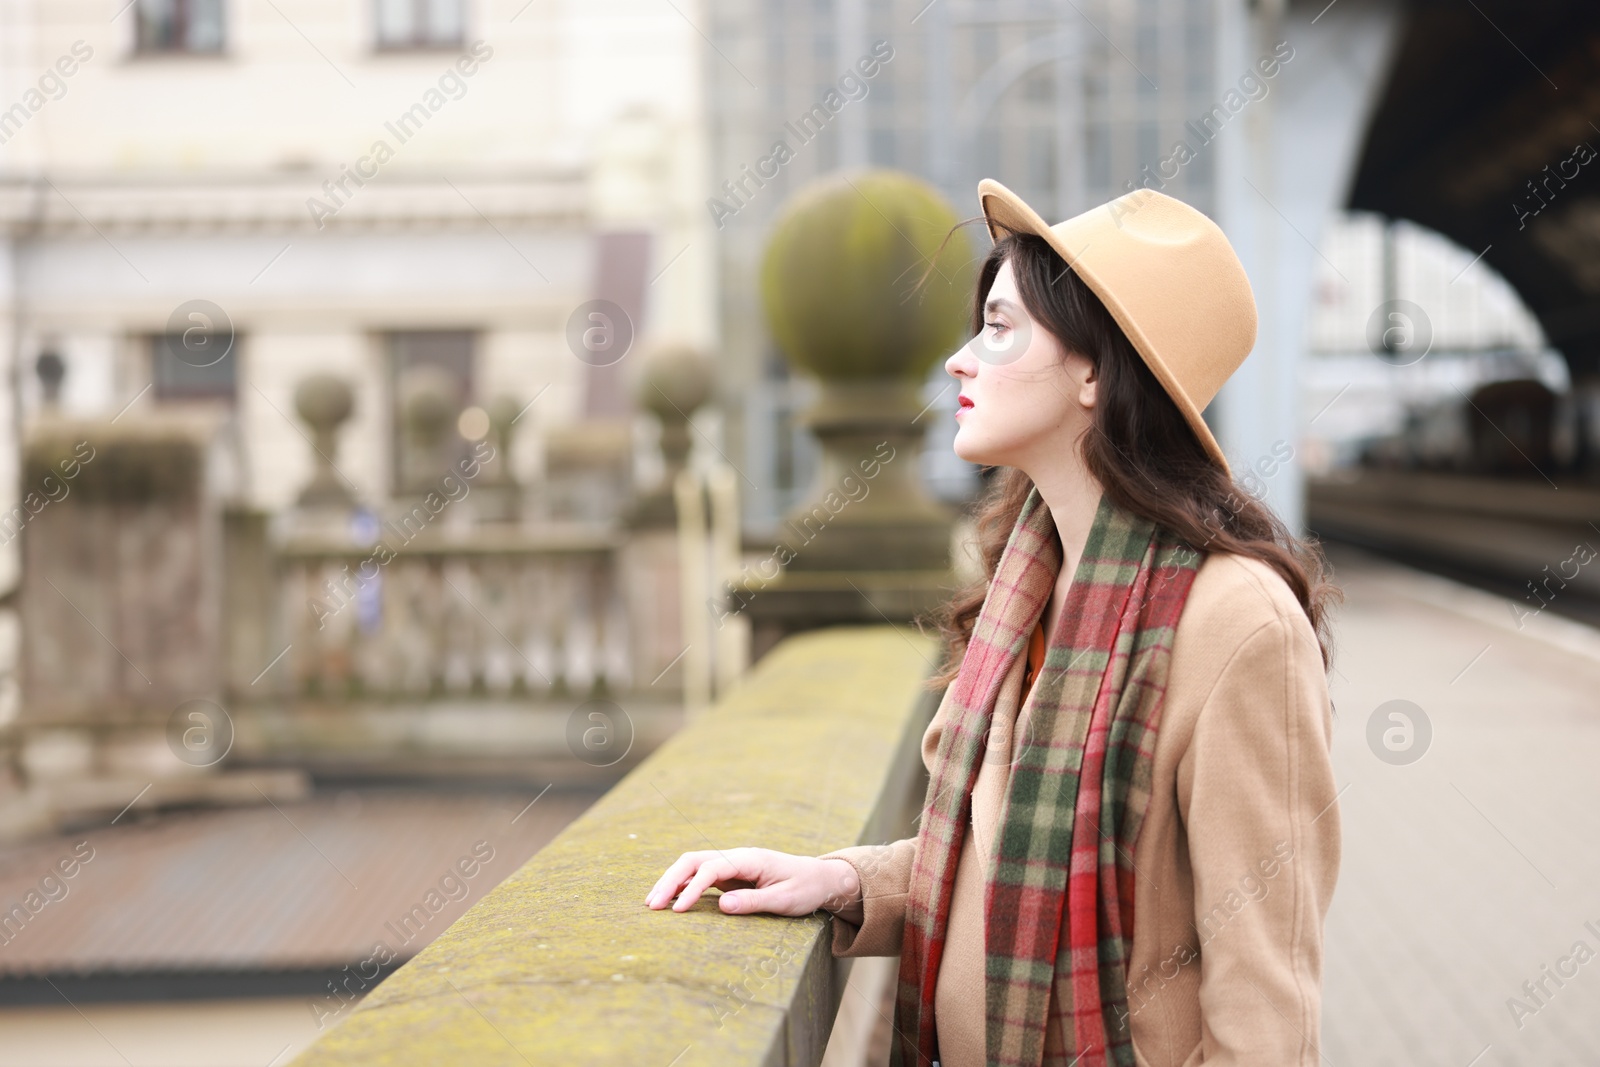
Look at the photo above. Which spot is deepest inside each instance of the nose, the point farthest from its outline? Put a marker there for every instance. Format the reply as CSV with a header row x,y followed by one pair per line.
x,y
962,363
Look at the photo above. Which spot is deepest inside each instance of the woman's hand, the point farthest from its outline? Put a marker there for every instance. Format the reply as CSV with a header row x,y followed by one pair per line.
x,y
757,879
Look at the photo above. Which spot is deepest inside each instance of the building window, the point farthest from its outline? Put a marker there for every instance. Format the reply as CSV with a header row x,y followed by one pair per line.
x,y
192,367
184,26
406,24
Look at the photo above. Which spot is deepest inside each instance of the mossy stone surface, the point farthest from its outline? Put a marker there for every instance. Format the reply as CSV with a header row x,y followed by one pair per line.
x,y
840,278
563,962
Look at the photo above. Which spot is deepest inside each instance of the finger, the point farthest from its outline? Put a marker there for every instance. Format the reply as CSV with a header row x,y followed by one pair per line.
x,y
730,884
670,879
673,878
712,869
776,899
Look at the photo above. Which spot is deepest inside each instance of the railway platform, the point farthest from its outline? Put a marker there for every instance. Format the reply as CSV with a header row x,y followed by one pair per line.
x,y
1465,929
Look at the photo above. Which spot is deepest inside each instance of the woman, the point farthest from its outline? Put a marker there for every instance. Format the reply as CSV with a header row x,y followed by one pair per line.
x,y
1136,721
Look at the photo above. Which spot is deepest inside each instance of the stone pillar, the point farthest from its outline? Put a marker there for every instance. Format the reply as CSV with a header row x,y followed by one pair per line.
x,y
1282,170
121,578
52,371
428,412
324,402
674,383
840,287
498,496
127,648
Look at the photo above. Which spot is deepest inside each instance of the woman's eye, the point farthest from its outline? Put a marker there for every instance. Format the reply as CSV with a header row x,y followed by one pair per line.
x,y
995,325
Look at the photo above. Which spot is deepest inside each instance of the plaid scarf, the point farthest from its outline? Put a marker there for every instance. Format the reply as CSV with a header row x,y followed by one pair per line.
x,y
1058,901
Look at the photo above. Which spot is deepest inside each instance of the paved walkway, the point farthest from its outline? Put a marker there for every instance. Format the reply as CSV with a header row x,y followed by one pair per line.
x,y
1475,868
296,887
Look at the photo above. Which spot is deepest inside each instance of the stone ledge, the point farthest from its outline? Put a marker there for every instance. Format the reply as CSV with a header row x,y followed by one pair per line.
x,y
562,963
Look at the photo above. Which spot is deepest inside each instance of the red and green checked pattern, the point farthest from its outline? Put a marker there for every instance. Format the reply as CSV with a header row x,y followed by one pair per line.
x,y
1095,707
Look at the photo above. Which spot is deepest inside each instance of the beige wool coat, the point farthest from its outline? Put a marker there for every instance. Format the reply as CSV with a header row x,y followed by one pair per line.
x,y
1234,866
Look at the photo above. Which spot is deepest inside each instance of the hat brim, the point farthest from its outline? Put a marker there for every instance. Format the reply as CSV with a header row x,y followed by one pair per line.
x,y
1004,211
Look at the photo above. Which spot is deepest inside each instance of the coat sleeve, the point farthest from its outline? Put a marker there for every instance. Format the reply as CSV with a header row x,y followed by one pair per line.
x,y
873,924
1257,796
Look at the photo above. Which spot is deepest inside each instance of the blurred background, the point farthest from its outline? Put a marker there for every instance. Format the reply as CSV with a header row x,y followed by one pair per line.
x,y
403,400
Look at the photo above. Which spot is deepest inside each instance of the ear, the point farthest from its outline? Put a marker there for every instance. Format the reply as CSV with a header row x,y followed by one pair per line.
x,y
1088,388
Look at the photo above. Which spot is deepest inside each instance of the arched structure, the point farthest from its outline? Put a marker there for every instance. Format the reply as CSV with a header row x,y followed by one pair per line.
x,y
1488,131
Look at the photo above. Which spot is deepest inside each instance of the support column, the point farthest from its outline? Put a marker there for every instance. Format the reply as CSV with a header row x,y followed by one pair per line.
x,y
1284,167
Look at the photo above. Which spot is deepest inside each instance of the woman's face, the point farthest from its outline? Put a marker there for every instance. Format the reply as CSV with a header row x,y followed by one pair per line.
x,y
1024,398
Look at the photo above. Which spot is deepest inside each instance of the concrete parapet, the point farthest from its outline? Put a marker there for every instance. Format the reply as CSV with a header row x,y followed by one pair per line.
x,y
563,962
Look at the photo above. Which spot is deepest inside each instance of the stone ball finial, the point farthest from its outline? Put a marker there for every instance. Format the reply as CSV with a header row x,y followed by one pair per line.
x,y
427,404
677,379
839,280
52,371
503,411
323,400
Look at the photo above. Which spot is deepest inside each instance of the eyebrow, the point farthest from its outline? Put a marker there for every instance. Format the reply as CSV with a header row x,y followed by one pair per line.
x,y
999,302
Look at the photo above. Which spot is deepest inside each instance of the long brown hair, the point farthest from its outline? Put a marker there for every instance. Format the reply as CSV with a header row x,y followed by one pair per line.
x,y
1139,447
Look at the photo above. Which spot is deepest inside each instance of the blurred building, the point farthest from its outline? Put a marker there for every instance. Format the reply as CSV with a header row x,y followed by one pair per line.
x,y
1031,93
289,265
324,254
357,187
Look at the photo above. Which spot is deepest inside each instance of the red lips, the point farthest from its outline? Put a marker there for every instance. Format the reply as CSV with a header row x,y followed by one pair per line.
x,y
964,401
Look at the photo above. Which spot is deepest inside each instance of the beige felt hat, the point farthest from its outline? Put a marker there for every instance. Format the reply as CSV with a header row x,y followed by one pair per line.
x,y
1168,276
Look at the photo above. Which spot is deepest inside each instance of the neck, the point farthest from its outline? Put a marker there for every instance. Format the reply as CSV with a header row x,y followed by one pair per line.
x,y
1072,495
